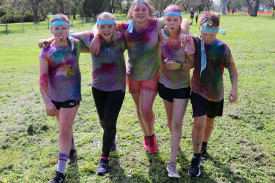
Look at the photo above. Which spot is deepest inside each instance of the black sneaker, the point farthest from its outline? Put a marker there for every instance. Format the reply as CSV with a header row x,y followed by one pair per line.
x,y
194,169
203,153
72,156
103,167
58,178
114,145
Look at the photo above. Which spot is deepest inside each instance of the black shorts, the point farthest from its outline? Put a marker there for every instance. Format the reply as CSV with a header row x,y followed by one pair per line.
x,y
66,104
169,94
202,107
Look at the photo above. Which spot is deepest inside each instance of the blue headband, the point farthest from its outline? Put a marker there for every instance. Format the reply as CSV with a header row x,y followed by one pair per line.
x,y
209,29
59,22
172,14
106,22
138,3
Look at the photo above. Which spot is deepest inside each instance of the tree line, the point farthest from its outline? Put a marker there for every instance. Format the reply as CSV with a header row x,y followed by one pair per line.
x,y
38,10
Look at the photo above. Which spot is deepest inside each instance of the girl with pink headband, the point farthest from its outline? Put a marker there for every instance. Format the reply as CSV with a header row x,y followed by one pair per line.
x,y
174,82
60,87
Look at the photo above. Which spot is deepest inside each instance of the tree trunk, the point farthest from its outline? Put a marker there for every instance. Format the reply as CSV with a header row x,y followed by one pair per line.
x,y
253,10
256,8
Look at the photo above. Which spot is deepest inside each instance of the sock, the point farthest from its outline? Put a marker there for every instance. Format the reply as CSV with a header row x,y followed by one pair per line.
x,y
150,136
73,146
104,158
204,144
197,154
62,161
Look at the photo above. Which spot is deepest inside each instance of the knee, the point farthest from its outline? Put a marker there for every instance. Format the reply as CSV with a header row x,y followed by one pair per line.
x,y
65,130
177,125
199,125
146,111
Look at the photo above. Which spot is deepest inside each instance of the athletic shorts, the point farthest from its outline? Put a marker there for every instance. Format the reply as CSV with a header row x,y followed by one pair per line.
x,y
66,104
169,94
202,107
136,85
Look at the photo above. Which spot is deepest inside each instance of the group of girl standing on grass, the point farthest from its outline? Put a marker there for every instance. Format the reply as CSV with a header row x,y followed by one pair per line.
x,y
159,61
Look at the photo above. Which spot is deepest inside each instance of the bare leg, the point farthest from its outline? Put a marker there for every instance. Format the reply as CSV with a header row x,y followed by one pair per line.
x,y
169,111
198,132
66,119
179,107
208,128
146,101
136,98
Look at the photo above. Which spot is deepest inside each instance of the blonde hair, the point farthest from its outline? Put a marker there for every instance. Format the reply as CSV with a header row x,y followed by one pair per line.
x,y
106,16
146,2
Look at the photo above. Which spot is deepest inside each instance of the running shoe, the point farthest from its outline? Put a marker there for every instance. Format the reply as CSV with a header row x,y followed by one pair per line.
x,y
172,170
194,169
58,178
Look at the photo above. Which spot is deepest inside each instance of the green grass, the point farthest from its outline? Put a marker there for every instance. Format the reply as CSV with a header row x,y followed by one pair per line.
x,y
241,147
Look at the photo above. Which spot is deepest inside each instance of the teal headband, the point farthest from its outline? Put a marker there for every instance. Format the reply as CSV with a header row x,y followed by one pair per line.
x,y
106,22
209,29
138,3
59,22
172,14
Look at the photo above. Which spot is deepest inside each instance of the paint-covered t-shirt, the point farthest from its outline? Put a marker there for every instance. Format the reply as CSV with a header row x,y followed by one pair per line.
x,y
172,49
143,49
108,67
64,74
210,84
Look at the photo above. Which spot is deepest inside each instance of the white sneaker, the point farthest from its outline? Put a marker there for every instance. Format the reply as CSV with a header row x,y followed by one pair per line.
x,y
171,169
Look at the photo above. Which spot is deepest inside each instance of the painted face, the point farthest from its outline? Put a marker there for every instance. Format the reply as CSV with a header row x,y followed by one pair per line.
x,y
140,12
60,32
106,31
208,37
173,23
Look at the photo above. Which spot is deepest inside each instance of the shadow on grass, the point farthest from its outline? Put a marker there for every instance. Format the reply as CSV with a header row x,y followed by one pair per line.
x,y
118,174
226,171
73,175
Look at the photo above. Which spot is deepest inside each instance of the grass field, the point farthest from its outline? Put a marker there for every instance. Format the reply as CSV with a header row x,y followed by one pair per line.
x,y
242,146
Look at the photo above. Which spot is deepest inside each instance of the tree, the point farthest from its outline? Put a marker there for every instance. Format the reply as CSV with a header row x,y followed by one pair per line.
x,y
253,6
91,8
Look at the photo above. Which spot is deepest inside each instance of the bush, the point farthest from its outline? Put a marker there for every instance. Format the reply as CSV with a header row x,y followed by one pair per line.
x,y
28,17
2,12
8,18
17,18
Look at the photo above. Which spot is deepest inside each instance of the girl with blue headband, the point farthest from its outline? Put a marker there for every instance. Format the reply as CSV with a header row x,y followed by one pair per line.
x,y
108,84
174,81
60,87
207,97
144,55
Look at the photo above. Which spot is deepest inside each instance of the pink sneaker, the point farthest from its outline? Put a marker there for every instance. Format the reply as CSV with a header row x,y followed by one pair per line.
x,y
152,144
145,144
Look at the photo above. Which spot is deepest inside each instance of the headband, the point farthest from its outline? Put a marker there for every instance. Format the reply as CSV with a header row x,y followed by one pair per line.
x,y
172,14
106,22
59,22
209,29
138,3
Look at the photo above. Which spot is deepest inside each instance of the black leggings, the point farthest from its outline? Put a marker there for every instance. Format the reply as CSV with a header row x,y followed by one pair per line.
x,y
108,104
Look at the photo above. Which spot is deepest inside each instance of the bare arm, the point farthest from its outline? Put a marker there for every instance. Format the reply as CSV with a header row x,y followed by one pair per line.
x,y
233,94
43,83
